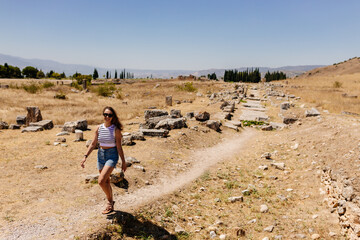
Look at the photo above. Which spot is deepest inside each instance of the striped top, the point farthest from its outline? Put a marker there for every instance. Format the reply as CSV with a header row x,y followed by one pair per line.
x,y
106,137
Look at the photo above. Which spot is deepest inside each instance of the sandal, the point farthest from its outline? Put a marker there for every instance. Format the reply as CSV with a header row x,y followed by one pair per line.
x,y
109,208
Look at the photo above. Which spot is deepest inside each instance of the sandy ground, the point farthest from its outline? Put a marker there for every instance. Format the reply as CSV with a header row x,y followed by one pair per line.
x,y
186,172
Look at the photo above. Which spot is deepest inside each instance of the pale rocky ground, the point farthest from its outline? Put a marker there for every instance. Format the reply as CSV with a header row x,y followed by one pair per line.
x,y
191,174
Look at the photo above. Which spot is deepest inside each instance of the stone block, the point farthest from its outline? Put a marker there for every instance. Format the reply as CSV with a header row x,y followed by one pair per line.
x,y
155,132
154,113
202,116
168,100
45,124
4,125
32,129
33,115
21,120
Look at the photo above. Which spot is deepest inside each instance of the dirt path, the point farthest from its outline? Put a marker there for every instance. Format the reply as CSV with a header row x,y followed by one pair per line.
x,y
77,221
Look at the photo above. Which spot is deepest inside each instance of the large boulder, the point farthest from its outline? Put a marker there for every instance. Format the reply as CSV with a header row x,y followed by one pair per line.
x,y
45,124
4,125
171,123
215,125
137,136
127,141
154,113
202,116
82,124
33,115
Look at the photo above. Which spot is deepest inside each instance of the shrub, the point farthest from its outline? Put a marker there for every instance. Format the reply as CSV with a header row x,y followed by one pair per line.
x,y
187,87
31,88
60,96
247,123
105,90
47,84
337,84
76,85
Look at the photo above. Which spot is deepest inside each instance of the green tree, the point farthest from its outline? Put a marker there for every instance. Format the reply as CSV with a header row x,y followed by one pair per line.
x,y
30,72
107,74
115,74
40,74
95,74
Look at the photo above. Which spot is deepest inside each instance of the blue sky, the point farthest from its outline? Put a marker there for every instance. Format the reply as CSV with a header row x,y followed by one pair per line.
x,y
182,34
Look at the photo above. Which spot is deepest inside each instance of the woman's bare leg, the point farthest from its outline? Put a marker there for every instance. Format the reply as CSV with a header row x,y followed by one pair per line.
x,y
104,182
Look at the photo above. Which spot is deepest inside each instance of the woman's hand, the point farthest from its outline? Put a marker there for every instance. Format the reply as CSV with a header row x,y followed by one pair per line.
x,y
123,166
83,162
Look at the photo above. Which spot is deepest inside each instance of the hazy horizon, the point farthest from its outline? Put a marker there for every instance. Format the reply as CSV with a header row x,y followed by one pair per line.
x,y
184,35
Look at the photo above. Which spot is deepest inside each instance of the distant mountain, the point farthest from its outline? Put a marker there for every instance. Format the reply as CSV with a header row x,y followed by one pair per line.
x,y
70,69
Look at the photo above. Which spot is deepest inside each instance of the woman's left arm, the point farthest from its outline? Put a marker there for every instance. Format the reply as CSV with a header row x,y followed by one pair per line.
x,y
118,137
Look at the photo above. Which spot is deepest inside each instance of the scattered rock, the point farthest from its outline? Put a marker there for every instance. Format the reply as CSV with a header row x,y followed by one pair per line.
x,y
117,176
179,230
32,129
269,228
127,141
289,119
266,128
14,126
266,155
131,160
189,115
236,199
202,116
139,167
315,236
264,208
312,113
56,143
280,166
93,178
4,125
263,167
222,237
300,235
212,234
157,85
64,145
41,167
62,133
21,120
231,126
215,125
285,106
138,136
60,139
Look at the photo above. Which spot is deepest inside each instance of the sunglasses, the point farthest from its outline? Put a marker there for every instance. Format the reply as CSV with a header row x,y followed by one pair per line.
x,y
108,115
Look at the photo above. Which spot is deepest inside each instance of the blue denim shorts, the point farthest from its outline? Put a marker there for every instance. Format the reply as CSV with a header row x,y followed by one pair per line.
x,y
108,157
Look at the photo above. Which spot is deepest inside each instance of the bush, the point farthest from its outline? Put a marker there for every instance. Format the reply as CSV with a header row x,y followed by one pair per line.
x,y
105,90
337,84
47,84
31,88
247,123
187,87
60,96
76,85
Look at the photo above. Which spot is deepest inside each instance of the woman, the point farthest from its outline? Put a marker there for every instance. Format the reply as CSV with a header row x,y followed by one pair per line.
x,y
109,136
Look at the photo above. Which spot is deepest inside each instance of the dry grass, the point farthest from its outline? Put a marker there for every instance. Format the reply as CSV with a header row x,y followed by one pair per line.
x,y
323,92
135,98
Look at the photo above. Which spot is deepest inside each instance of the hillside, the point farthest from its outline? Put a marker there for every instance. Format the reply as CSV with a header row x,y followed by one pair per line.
x,y
350,66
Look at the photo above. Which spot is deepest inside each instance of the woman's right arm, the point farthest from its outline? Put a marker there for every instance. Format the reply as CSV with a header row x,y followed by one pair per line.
x,y
91,147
